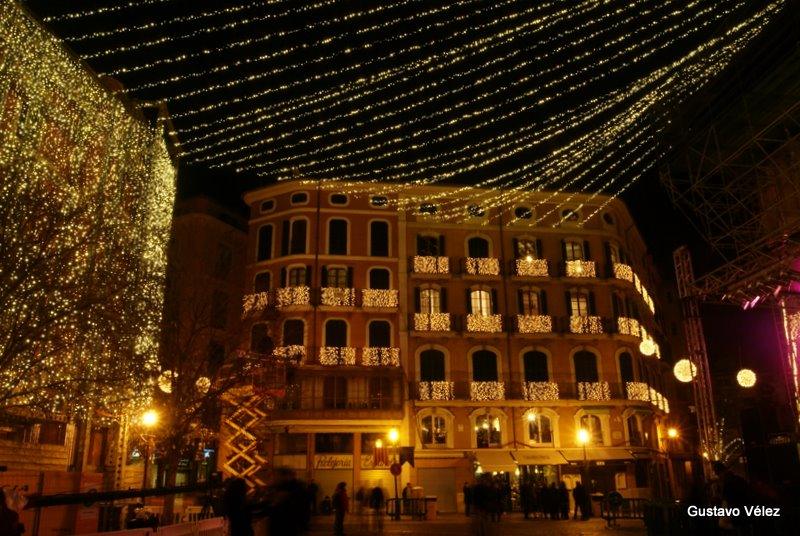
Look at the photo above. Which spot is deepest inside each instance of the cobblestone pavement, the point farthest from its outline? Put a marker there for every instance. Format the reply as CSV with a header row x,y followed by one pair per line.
x,y
458,524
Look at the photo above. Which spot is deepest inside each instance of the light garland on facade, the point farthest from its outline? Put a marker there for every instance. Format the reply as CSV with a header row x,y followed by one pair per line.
x,y
540,390
637,391
431,265
255,302
87,280
487,391
628,326
287,296
338,297
380,357
436,390
626,273
532,267
295,353
372,297
482,266
594,391
432,322
484,323
585,324
623,271
333,355
534,323
578,268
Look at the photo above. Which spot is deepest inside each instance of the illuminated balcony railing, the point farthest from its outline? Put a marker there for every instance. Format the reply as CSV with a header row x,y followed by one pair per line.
x,y
335,355
294,353
625,272
637,391
534,324
657,399
374,297
485,323
487,391
252,303
432,322
532,267
594,391
380,357
431,265
436,390
628,326
338,297
293,296
482,266
580,268
540,390
585,324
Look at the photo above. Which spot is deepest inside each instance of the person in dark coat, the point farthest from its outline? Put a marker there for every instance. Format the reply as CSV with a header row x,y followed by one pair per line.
x,y
581,497
341,505
287,504
563,501
467,498
238,510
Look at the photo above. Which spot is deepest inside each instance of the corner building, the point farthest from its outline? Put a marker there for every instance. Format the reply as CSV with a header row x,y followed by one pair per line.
x,y
488,333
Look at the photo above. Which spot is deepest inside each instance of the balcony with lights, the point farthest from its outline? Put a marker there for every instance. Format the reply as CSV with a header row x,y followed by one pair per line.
x,y
540,391
335,355
530,267
380,357
437,322
628,326
255,303
439,390
580,268
637,391
478,323
337,297
289,296
626,273
594,391
481,391
592,325
294,354
379,298
430,265
481,266
534,324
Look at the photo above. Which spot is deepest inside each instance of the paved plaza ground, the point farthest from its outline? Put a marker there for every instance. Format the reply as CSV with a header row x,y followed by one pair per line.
x,y
513,524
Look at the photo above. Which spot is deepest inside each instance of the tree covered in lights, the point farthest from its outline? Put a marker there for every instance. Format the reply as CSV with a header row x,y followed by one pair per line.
x,y
86,191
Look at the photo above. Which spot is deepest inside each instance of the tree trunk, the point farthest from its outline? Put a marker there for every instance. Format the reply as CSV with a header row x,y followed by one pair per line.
x,y
170,477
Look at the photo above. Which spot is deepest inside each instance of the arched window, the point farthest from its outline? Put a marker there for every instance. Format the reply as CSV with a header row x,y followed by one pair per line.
x,y
433,430
380,334
264,243
480,302
336,333
484,366
337,237
262,282
478,247
580,302
259,339
573,250
297,240
633,425
430,246
535,363
432,366
530,302
488,433
379,278
594,426
294,332
379,239
430,300
585,366
297,277
539,429
626,368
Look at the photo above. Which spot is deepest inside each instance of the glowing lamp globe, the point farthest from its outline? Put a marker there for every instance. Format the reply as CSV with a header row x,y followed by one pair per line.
x,y
203,384
165,381
746,378
149,418
647,347
684,370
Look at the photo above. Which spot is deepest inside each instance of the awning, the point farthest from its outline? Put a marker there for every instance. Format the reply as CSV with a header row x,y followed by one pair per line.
x,y
539,457
597,453
496,460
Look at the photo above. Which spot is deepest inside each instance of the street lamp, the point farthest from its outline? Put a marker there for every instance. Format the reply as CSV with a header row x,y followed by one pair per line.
x,y
149,420
583,438
672,435
394,435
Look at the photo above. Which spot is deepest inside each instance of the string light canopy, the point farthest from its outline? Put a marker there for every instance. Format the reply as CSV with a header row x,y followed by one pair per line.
x,y
505,95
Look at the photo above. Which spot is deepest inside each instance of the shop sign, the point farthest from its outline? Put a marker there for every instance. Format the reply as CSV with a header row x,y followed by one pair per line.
x,y
333,461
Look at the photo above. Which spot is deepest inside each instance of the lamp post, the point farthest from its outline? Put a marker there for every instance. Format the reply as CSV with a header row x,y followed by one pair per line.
x,y
149,419
583,438
672,435
394,435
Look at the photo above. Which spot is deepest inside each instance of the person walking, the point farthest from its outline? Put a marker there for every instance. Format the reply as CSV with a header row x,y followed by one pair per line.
x,y
467,498
579,495
377,501
563,501
341,505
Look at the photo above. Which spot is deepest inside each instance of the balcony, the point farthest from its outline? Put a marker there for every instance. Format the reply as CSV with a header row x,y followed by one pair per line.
x,y
337,297
540,390
335,355
253,303
628,326
637,391
373,297
294,353
436,390
432,321
585,324
380,357
288,296
431,265
534,324
484,323
532,267
623,271
487,391
594,391
626,273
482,266
579,268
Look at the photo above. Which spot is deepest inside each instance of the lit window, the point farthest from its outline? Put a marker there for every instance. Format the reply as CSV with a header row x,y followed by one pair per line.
x,y
593,425
487,431
481,302
540,431
579,303
573,250
337,278
529,301
526,249
429,301
297,277
434,430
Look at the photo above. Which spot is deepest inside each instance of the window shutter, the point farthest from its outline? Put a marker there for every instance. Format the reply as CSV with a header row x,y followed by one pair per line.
x,y
520,301
515,245
284,281
443,300
350,277
586,255
308,276
285,238
495,305
539,253
615,306
591,303
568,301
468,301
417,300
324,274
543,302
419,246
441,246
564,250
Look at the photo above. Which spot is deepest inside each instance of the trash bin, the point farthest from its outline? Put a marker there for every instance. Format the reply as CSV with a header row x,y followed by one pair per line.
x,y
430,508
597,504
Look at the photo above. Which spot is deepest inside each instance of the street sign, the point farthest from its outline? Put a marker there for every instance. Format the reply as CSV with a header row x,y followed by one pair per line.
x,y
395,469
